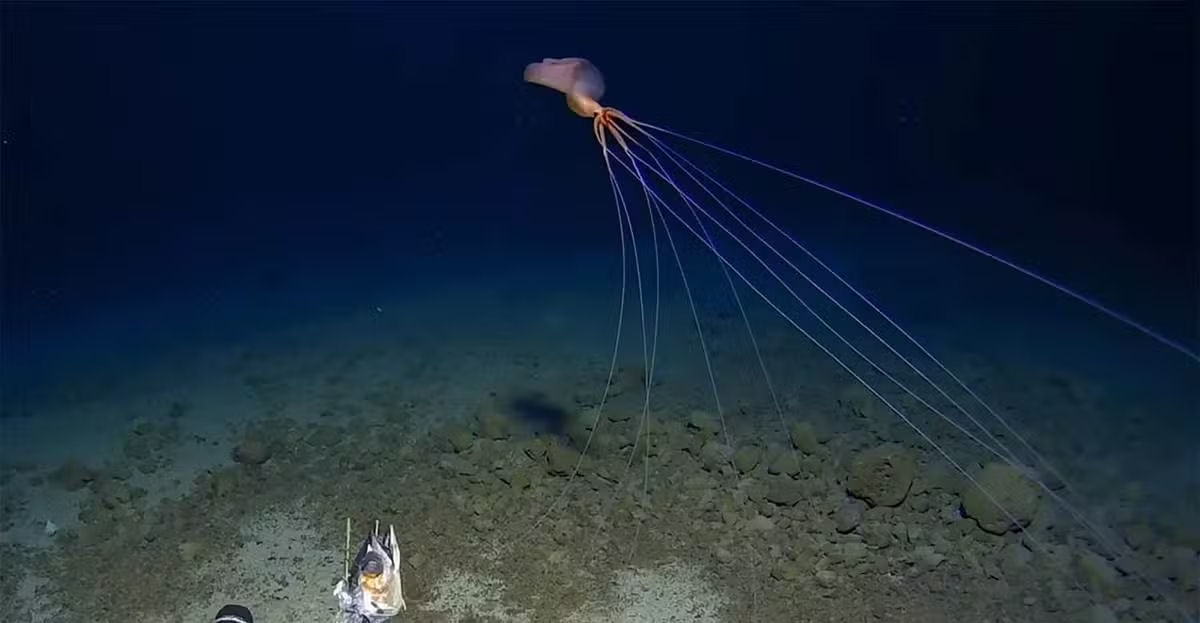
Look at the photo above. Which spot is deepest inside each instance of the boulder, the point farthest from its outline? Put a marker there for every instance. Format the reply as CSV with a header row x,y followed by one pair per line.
x,y
1009,490
252,452
747,458
804,437
459,438
73,475
882,476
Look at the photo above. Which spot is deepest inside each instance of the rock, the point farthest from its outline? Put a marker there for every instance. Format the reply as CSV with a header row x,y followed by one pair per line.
x,y
72,476
989,569
535,449
784,492
579,427
704,423
878,536
618,415
1014,560
812,465
252,452
825,578
786,572
1010,489
853,552
1138,535
690,444
142,426
561,461
1180,563
804,437
495,426
714,456
120,471
760,524
698,483
1099,613
926,558
784,462
747,458
519,481
189,551
882,476
627,379
88,515
459,438
848,516
858,400
754,491
602,443
224,482
1097,574
50,529
324,436
458,466
111,493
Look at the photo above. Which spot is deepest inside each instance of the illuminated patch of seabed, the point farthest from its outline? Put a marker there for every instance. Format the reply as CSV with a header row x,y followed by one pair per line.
x,y
461,595
669,593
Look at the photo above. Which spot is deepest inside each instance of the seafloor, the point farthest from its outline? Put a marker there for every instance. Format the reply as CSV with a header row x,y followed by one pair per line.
x,y
161,488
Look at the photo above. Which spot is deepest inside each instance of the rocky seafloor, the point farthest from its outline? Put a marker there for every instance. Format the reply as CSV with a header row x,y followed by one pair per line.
x,y
837,513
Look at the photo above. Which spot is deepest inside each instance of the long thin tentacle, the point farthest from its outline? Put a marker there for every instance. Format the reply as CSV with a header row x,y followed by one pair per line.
x,y
828,327
688,167
762,365
1028,272
854,374
1109,543
649,345
612,366
1103,538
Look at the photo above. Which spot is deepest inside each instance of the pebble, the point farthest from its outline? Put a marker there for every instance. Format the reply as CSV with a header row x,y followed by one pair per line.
x,y
784,492
760,524
460,438
926,559
849,515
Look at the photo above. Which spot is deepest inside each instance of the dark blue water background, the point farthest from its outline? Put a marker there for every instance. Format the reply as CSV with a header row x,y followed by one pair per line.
x,y
192,173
